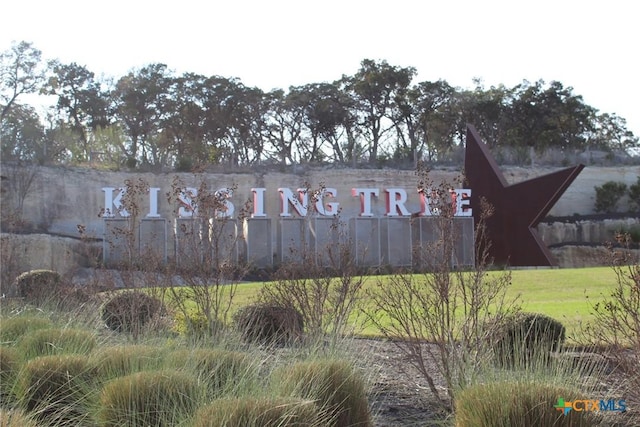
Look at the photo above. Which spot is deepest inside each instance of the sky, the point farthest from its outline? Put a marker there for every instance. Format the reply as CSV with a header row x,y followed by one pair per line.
x,y
592,47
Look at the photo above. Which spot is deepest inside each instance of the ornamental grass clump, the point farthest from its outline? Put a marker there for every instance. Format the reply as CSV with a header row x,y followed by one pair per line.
x,y
13,328
57,390
259,412
337,389
224,372
44,342
15,418
513,403
9,366
149,398
118,361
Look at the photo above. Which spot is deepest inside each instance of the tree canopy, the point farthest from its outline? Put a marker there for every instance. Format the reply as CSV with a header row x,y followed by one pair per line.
x,y
152,116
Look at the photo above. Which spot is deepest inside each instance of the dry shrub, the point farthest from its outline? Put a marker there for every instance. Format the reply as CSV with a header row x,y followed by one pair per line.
x,y
130,311
337,389
269,324
149,398
526,404
38,286
56,389
258,412
46,342
524,338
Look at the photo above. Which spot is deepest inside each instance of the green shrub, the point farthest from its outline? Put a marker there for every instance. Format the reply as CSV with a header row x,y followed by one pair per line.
x,y
9,364
608,195
257,412
337,389
130,311
38,285
222,370
269,324
149,398
119,361
15,418
56,389
525,404
526,338
45,342
15,327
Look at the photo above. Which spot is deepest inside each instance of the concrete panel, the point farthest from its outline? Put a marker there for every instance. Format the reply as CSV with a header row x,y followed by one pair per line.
x,y
291,239
435,238
396,238
259,248
324,240
153,239
365,240
191,241
119,242
223,240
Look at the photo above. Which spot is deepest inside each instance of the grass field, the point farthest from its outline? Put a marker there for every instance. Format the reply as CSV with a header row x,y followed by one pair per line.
x,y
564,294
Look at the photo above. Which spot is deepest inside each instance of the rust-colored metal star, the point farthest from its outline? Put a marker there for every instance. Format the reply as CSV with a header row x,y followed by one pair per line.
x,y
518,208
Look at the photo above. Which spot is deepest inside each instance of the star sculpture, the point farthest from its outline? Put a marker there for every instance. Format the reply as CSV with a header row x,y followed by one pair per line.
x,y
518,208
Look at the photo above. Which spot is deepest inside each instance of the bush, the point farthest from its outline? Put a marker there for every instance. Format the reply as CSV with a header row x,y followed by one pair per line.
x,y
338,391
269,324
112,362
150,398
15,327
130,311
527,337
608,195
15,418
46,342
38,285
56,389
525,404
222,370
9,364
256,412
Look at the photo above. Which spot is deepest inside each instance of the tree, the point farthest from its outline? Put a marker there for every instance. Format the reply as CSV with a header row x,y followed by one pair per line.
x,y
374,88
22,135
140,101
81,102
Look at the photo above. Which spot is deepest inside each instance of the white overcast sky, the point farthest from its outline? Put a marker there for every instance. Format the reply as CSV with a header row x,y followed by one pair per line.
x,y
591,46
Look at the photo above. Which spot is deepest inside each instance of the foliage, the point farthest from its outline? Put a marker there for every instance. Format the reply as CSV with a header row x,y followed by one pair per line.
x,y
38,285
130,311
118,361
522,337
13,328
56,389
149,398
338,389
15,418
269,324
446,305
53,341
258,412
526,404
616,316
608,195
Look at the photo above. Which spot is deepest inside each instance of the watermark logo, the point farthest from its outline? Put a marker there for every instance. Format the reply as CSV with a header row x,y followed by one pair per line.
x,y
591,405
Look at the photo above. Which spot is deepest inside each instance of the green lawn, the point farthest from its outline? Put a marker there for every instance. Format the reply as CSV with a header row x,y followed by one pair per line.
x,y
564,294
